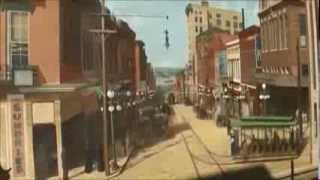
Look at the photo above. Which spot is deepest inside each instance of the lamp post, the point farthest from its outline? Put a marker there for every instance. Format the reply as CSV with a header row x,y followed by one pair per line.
x,y
240,98
264,97
111,108
226,97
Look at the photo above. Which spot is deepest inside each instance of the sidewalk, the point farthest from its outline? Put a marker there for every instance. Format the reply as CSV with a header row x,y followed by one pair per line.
x,y
208,133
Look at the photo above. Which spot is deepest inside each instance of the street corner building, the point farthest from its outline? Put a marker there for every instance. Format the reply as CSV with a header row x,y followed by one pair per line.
x,y
50,84
289,59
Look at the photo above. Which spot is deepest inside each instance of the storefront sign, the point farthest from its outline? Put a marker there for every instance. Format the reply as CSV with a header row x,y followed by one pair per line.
x,y
17,128
43,113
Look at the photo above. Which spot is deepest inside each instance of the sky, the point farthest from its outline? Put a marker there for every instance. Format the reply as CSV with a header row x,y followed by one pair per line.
x,y
147,19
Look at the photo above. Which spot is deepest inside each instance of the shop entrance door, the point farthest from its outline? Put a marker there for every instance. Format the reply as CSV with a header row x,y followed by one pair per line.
x,y
45,151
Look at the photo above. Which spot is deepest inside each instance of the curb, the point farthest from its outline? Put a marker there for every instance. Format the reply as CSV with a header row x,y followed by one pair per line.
x,y
118,172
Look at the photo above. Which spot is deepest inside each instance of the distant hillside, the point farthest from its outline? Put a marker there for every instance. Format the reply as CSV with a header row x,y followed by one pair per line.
x,y
166,75
166,71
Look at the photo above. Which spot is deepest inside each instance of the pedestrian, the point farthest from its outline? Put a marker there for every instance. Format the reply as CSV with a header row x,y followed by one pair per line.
x,y
232,143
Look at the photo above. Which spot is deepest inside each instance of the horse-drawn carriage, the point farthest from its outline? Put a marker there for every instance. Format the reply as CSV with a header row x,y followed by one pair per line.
x,y
265,136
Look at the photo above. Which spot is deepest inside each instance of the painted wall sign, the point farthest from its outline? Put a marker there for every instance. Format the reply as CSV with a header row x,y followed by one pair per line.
x,y
17,129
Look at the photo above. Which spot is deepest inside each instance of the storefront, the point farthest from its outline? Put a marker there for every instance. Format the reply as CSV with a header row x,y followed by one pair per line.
x,y
43,131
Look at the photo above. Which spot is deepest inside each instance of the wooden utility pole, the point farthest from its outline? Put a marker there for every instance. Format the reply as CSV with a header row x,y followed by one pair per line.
x,y
103,32
104,86
299,91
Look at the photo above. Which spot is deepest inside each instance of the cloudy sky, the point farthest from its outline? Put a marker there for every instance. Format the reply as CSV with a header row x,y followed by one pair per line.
x,y
151,30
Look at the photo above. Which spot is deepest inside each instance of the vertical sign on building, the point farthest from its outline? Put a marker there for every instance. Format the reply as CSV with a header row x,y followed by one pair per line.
x,y
17,134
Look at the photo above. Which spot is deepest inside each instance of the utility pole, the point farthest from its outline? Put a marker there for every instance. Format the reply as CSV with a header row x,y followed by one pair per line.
x,y
299,102
103,32
184,85
104,86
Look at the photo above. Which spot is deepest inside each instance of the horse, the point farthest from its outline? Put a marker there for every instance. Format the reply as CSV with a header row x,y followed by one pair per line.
x,y
4,174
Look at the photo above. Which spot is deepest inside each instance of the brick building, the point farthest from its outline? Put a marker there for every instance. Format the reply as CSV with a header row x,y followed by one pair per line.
x,y
47,97
140,67
249,40
50,72
150,78
200,18
209,44
179,87
283,39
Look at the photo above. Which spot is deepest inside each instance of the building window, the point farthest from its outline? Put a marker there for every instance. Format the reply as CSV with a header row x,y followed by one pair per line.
x,y
201,30
196,19
262,36
228,23
218,15
270,38
235,25
235,18
276,33
200,19
210,15
196,29
302,25
280,33
305,70
18,38
284,31
218,22
273,34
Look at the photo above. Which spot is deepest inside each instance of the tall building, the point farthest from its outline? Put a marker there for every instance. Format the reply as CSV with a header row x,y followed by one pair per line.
x,y
200,18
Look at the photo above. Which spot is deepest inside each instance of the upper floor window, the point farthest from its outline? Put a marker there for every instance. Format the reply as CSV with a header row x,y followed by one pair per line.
x,y
305,69
228,23
201,30
18,25
219,22
302,25
196,29
196,19
218,15
200,19
235,25
235,17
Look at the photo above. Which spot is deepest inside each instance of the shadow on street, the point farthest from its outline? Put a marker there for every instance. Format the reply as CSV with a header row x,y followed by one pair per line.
x,y
251,173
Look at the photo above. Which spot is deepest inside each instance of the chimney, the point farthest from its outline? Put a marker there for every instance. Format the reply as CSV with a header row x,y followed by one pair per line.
x,y
243,19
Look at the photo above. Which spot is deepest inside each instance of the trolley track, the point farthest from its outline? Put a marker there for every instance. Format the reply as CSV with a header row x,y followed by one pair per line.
x,y
195,159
